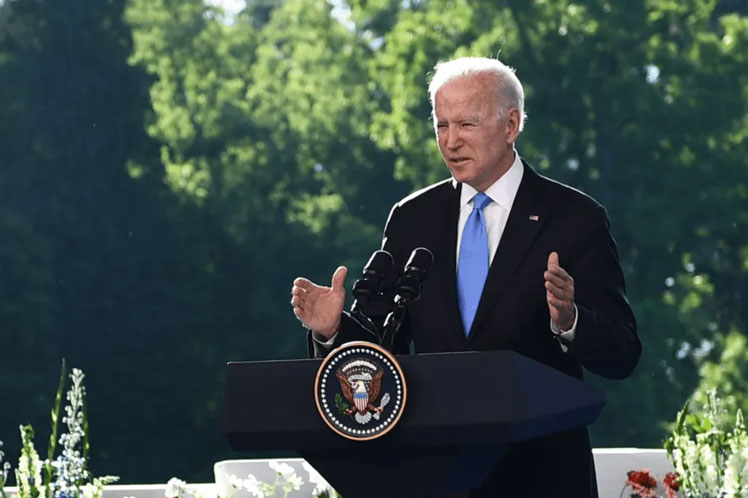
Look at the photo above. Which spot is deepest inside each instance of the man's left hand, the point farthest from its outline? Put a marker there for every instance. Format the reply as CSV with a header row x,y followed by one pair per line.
x,y
559,293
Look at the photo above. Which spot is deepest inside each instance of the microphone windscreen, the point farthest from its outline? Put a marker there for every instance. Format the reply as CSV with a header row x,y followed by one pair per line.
x,y
379,263
370,284
421,258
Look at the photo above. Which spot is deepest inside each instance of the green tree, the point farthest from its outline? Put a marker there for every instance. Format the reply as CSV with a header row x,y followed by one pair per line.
x,y
262,128
727,375
86,264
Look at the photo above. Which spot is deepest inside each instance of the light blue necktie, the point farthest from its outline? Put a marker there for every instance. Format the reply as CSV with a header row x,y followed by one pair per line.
x,y
472,265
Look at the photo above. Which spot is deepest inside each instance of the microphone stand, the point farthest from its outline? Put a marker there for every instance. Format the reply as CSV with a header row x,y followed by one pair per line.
x,y
358,315
392,324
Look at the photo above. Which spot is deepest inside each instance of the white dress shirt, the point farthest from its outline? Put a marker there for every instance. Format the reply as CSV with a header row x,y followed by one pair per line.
x,y
502,193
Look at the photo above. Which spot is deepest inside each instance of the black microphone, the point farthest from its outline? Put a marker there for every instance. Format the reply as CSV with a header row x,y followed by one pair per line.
x,y
370,284
408,289
408,286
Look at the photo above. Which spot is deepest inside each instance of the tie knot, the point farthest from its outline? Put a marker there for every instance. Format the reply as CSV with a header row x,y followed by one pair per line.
x,y
480,200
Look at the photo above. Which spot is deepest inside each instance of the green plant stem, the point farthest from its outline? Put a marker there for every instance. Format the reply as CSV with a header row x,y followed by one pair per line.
x,y
53,435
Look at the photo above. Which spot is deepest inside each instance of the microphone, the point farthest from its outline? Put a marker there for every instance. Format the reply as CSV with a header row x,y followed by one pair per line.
x,y
369,285
408,289
408,286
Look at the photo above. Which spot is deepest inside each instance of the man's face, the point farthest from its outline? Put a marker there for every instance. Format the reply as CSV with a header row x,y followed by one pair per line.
x,y
475,143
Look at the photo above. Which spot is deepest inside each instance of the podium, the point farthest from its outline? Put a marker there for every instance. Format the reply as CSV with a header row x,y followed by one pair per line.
x,y
463,410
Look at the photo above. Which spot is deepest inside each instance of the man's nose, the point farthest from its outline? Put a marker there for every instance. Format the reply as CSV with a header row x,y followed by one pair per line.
x,y
453,138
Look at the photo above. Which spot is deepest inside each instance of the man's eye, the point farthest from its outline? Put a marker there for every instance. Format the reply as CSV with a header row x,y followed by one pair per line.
x,y
468,125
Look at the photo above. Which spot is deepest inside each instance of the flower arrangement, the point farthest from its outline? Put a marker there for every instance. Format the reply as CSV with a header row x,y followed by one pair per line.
x,y
65,476
286,481
709,455
643,485
3,472
176,488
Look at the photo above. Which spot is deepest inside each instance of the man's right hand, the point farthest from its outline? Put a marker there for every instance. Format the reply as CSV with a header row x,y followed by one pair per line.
x,y
317,307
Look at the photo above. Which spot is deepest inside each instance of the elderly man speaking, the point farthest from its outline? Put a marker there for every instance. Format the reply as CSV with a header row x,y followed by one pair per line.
x,y
521,262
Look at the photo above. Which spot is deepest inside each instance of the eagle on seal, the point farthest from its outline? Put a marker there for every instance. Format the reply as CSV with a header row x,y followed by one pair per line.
x,y
357,394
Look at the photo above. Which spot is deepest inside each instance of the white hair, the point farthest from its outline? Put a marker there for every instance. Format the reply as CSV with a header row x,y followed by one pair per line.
x,y
508,87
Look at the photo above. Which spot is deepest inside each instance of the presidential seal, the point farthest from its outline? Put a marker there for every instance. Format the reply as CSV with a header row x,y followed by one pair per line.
x,y
360,391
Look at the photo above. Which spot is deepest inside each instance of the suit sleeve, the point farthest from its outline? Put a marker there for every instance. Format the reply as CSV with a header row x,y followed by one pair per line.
x,y
606,341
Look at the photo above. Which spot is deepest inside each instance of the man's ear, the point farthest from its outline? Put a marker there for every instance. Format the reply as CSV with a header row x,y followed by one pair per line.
x,y
512,125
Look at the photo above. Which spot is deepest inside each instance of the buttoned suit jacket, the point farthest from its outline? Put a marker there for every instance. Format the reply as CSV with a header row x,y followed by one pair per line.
x,y
513,313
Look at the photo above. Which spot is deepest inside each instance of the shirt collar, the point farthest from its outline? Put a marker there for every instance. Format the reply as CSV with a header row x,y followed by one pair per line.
x,y
502,191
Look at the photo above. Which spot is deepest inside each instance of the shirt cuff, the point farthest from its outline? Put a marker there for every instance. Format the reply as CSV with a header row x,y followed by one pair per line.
x,y
329,342
566,336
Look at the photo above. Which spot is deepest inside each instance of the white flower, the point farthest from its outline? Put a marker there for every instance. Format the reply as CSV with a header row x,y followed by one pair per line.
x,y
4,474
281,468
5,468
175,488
31,474
687,459
70,464
287,478
295,481
251,484
29,470
710,476
320,484
234,481
732,483
89,491
254,486
744,471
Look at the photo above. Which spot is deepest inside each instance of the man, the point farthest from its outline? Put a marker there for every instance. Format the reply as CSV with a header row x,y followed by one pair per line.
x,y
520,262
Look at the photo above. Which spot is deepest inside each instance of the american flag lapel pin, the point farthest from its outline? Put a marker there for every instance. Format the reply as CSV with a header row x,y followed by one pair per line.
x,y
534,217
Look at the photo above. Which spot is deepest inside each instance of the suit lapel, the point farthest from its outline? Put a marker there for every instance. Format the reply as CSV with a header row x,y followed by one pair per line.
x,y
525,220
449,241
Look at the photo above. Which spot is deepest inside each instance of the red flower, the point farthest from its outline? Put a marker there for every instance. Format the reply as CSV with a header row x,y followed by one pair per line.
x,y
641,478
672,484
642,483
672,481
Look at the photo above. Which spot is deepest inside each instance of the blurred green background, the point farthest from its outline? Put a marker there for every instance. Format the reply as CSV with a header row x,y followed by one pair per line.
x,y
167,167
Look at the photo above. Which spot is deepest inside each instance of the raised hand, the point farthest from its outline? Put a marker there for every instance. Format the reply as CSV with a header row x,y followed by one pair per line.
x,y
559,293
318,307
